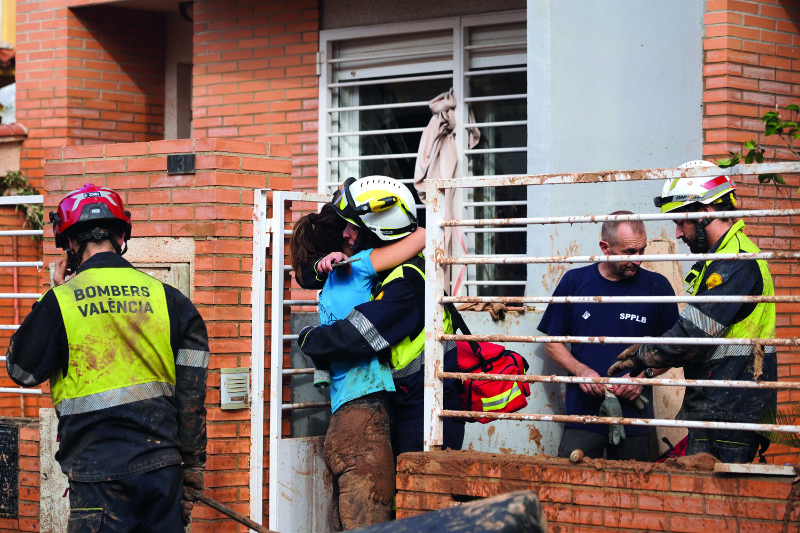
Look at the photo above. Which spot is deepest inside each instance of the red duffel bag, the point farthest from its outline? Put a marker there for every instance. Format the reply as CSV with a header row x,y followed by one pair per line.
x,y
488,358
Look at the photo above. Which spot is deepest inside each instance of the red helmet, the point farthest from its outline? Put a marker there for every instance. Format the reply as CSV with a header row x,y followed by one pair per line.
x,y
88,204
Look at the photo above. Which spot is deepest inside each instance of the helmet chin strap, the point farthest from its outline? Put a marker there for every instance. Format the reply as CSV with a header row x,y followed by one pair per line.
x,y
357,243
701,235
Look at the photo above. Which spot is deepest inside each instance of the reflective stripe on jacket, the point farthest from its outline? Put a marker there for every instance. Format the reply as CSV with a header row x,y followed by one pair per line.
x,y
760,323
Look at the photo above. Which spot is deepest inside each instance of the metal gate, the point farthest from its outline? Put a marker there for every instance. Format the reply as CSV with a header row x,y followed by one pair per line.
x,y
299,493
15,201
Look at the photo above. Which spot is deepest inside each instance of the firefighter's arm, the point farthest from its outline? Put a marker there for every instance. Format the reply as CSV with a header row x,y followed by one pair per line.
x,y
699,319
369,329
191,371
39,347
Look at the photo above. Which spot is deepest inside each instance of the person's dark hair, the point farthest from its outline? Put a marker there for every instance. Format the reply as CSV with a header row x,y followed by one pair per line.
x,y
86,231
314,236
608,231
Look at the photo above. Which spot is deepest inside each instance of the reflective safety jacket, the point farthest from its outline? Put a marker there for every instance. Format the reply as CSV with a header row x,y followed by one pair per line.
x,y
724,320
127,359
391,325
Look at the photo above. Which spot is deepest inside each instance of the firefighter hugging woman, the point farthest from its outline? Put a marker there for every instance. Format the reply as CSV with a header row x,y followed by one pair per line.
x,y
127,359
371,338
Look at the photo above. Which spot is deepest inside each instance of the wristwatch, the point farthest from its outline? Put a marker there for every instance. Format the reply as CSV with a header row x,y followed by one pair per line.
x,y
648,373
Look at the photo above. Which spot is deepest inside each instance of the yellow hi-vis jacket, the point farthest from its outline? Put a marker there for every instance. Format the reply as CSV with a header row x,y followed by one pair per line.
x,y
724,320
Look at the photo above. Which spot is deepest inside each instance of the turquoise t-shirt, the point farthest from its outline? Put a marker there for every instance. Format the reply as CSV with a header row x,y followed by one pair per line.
x,y
341,293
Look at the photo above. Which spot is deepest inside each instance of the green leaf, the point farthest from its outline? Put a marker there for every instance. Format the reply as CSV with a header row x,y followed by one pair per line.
x,y
760,156
728,162
788,124
770,130
789,416
749,157
793,107
750,145
770,115
766,178
14,183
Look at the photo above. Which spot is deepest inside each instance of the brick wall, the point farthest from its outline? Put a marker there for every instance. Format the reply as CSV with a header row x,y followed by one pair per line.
x,y
601,496
214,207
752,65
255,76
86,76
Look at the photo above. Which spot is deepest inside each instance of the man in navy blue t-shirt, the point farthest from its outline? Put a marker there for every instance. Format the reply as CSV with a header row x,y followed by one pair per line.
x,y
607,319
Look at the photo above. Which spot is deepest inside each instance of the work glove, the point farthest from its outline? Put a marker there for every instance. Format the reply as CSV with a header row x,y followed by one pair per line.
x,y
640,402
322,378
611,408
192,481
628,360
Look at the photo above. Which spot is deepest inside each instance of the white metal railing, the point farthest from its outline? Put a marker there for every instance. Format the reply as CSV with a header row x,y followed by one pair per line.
x,y
16,201
269,234
435,285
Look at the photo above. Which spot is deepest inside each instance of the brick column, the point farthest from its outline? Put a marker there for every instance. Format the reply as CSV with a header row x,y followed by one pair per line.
x,y
214,208
752,53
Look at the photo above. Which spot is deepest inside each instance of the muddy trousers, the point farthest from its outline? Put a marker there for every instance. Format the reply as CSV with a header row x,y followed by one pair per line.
x,y
148,503
358,454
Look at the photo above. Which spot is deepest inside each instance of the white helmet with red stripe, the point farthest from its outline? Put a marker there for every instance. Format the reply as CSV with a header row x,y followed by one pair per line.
x,y
680,192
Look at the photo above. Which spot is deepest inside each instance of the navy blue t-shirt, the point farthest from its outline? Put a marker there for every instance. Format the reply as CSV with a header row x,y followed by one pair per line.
x,y
607,319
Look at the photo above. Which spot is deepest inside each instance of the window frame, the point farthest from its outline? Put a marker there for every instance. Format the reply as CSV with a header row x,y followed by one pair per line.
x,y
459,26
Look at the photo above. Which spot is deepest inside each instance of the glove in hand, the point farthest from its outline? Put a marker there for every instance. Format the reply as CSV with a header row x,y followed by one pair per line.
x,y
192,479
628,360
640,402
612,408
322,378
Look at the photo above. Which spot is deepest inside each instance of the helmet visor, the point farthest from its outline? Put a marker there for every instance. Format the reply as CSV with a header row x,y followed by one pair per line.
x,y
343,202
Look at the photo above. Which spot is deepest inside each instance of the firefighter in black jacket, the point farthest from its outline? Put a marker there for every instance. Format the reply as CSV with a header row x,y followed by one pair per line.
x,y
391,325
127,359
737,320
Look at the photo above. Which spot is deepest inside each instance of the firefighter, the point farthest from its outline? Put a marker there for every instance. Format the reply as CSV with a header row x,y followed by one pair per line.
x,y
716,320
127,359
392,324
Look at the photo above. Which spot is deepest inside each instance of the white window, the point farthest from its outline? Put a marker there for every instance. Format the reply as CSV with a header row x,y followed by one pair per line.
x,y
376,83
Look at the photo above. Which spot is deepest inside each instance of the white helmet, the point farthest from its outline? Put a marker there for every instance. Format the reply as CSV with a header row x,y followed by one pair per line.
x,y
679,192
379,204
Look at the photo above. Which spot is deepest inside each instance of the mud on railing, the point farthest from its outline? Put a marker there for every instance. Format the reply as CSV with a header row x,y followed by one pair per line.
x,y
435,280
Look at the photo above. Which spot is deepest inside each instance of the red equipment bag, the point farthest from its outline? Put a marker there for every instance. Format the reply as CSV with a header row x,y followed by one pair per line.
x,y
488,358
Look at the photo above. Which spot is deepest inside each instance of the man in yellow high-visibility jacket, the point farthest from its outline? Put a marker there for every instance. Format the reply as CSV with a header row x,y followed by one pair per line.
x,y
740,320
127,359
